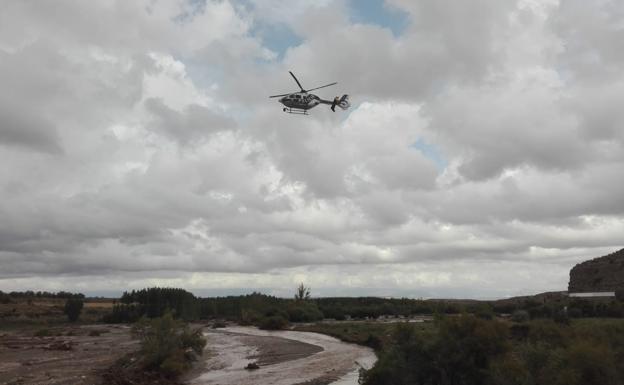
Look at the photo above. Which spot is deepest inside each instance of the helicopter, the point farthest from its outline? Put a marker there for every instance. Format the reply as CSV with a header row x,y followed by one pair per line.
x,y
300,102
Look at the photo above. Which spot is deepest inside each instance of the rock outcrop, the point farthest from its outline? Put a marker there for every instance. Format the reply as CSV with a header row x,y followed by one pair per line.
x,y
599,274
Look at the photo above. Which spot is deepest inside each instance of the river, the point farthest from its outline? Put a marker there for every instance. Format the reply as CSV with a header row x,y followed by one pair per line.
x,y
285,357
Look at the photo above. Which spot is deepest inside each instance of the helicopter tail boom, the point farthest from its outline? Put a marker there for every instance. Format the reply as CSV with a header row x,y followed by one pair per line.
x,y
342,102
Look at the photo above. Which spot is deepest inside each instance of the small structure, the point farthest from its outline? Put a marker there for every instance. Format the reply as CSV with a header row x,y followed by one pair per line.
x,y
601,294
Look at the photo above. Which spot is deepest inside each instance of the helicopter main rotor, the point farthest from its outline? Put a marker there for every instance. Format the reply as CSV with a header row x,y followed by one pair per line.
x,y
302,89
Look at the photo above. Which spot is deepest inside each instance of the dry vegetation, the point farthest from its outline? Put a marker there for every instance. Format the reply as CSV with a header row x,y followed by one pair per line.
x,y
25,312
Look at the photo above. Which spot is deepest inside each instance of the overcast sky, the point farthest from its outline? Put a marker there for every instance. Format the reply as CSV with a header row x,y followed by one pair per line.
x,y
482,157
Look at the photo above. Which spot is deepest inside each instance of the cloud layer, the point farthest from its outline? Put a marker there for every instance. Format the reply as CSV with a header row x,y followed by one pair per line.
x,y
482,156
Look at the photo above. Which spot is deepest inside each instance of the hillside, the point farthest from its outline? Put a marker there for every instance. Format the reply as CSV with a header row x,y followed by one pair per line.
x,y
599,274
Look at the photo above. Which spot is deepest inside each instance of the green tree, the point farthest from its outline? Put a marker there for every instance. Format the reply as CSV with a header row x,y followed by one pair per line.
x,y
303,293
73,307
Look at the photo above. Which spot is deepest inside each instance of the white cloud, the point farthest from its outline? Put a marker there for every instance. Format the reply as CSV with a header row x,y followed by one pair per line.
x,y
482,156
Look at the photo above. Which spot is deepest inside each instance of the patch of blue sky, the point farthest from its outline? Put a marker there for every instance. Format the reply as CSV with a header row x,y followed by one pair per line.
x,y
431,152
278,37
194,8
376,12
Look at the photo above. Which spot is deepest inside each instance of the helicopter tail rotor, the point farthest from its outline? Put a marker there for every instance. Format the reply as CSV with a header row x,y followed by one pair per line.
x,y
344,102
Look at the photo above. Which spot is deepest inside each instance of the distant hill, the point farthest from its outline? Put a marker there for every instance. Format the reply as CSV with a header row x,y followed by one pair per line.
x,y
599,274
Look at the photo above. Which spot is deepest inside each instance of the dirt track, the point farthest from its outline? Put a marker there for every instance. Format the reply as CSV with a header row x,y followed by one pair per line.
x,y
285,358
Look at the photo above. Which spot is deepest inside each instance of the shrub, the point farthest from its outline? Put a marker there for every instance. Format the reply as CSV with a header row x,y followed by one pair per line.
x,y
562,317
588,363
548,332
273,323
482,310
73,307
506,370
575,312
249,317
304,312
520,316
465,346
373,342
519,331
335,313
460,353
167,345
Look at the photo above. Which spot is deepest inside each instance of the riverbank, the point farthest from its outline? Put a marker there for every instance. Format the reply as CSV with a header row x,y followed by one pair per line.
x,y
284,357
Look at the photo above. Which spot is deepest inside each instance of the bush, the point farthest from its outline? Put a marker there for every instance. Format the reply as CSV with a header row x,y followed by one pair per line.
x,y
471,351
520,316
373,342
588,363
249,317
304,312
562,317
73,307
167,345
519,331
575,312
548,332
273,323
482,310
334,312
460,353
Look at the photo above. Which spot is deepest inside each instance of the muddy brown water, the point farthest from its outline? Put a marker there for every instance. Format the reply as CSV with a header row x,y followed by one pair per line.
x,y
285,358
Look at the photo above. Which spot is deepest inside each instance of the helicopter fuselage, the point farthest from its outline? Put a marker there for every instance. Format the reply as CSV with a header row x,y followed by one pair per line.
x,y
300,100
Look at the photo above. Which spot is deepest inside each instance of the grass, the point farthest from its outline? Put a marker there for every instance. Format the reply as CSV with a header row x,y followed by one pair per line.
x,y
377,335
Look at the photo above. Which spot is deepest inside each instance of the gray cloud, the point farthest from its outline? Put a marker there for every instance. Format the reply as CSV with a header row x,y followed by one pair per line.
x,y
481,157
28,131
195,123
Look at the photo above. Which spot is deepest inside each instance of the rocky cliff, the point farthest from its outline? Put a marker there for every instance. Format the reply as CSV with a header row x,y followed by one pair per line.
x,y
599,274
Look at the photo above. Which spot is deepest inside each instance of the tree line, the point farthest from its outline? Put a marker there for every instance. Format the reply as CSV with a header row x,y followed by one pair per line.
x,y
41,294
253,308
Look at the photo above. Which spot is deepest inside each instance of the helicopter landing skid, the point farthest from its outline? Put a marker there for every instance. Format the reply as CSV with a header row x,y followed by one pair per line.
x,y
296,111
